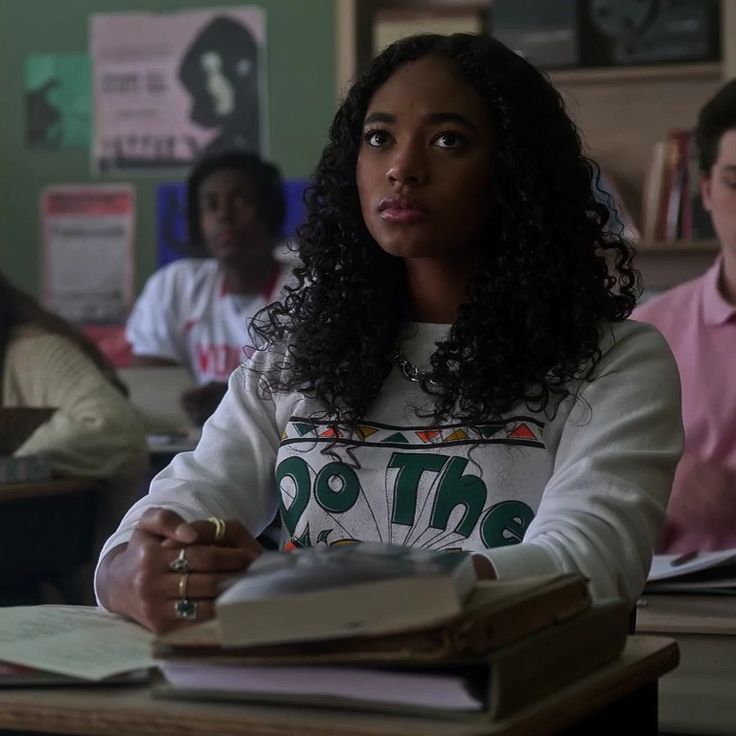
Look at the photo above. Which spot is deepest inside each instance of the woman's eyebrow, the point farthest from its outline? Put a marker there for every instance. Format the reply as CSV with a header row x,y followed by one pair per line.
x,y
451,117
379,117
434,117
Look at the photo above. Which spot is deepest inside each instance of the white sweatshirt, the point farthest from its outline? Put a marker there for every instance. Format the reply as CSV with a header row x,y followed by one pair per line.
x,y
186,315
584,491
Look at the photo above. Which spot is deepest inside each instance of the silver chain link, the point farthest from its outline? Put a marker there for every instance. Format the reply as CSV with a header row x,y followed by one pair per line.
x,y
408,368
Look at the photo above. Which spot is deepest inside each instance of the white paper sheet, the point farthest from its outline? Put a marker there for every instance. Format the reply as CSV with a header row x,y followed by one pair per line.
x,y
80,641
666,567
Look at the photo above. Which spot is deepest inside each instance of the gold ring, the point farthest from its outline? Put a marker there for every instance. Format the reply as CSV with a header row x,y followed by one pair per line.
x,y
183,580
219,527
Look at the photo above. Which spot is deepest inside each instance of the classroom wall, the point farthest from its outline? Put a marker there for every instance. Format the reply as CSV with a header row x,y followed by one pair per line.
x,y
300,102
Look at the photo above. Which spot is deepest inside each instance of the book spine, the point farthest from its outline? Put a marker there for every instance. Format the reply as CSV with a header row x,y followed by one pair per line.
x,y
481,634
653,192
538,665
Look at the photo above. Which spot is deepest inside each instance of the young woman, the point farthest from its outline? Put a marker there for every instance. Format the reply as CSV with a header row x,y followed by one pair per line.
x,y
454,369
94,432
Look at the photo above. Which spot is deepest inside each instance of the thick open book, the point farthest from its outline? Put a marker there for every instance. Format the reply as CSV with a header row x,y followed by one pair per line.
x,y
696,572
493,686
351,590
495,614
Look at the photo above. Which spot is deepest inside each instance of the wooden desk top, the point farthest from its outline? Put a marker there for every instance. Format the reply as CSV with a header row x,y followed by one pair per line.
x,y
16,491
687,614
130,711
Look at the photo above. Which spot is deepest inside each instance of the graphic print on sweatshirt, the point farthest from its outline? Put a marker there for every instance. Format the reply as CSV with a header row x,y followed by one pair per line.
x,y
445,487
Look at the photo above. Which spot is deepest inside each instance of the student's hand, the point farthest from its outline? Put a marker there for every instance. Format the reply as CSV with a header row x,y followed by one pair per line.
x,y
200,403
701,514
135,579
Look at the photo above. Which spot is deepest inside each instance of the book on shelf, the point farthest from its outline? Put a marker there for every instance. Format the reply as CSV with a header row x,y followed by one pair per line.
x,y
693,572
348,590
677,186
653,192
493,685
495,614
672,207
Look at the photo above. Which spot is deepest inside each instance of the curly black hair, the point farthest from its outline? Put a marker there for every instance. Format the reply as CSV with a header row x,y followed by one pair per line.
x,y
551,271
264,177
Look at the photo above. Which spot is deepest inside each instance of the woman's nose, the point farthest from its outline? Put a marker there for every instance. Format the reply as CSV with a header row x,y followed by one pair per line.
x,y
407,166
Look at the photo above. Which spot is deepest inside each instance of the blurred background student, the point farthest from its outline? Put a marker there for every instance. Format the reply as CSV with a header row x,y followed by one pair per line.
x,y
94,432
698,319
194,312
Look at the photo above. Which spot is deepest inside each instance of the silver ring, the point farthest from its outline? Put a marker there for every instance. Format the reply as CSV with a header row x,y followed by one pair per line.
x,y
183,580
180,563
185,608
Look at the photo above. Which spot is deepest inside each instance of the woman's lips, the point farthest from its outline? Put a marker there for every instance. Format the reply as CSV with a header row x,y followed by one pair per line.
x,y
402,210
402,215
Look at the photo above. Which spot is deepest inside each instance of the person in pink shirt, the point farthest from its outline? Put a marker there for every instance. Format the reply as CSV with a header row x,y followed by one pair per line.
x,y
698,319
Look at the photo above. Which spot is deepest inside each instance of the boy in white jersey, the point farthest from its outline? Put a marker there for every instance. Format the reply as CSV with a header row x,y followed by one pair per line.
x,y
453,368
195,311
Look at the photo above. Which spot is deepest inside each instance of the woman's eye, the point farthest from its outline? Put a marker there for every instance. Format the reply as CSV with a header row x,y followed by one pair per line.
x,y
376,138
449,140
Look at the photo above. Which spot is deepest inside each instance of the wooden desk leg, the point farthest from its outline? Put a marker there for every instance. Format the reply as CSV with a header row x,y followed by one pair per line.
x,y
635,713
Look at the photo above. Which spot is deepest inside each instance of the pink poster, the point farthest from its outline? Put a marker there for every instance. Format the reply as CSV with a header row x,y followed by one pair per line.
x,y
170,86
88,236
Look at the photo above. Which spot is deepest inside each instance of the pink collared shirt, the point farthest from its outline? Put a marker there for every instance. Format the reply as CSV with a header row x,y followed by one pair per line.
x,y
700,327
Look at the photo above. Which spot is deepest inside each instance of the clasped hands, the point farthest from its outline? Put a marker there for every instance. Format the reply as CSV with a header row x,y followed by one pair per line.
x,y
136,579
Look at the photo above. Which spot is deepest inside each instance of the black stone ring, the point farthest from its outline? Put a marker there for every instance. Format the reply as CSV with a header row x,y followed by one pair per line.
x,y
185,608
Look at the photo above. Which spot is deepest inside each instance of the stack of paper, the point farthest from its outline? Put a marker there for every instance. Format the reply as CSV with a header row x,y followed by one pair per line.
x,y
697,572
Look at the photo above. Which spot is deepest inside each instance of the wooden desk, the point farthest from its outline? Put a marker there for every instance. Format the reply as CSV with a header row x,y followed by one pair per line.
x,y
45,528
60,487
132,712
700,696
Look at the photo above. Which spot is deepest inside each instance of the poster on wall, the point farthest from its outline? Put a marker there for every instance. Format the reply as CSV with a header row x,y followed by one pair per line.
x,y
169,87
88,236
57,101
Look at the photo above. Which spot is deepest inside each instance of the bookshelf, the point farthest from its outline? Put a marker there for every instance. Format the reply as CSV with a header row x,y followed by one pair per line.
x,y
621,111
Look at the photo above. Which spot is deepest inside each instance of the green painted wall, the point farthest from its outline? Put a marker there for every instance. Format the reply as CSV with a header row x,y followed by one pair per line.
x,y
300,98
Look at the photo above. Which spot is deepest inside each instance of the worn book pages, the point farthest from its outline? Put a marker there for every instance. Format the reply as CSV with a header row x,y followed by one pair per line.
x,y
492,686
343,591
77,641
496,613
